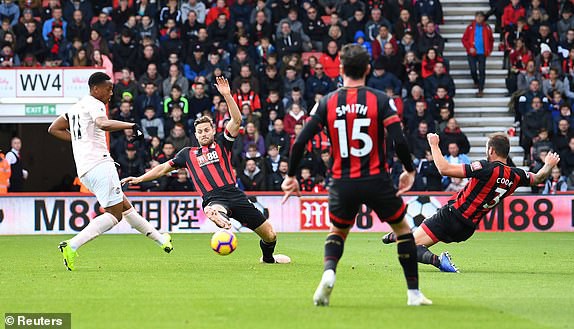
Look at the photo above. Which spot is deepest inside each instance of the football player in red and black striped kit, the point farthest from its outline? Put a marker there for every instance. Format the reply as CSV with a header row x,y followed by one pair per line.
x,y
209,166
356,118
489,182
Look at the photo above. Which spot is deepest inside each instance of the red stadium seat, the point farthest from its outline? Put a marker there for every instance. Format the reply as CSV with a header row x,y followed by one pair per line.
x,y
326,19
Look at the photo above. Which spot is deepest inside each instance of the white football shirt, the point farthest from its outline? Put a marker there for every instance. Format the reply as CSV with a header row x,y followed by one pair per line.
x,y
88,141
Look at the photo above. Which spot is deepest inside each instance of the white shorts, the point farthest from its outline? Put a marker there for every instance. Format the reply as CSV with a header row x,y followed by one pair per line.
x,y
103,181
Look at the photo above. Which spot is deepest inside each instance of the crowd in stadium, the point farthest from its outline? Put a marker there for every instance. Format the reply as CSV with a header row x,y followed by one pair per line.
x,y
281,58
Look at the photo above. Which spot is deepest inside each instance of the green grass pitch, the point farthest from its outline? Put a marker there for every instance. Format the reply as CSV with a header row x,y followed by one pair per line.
x,y
508,280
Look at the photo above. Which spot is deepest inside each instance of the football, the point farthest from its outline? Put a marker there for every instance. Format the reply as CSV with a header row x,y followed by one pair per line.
x,y
419,208
223,242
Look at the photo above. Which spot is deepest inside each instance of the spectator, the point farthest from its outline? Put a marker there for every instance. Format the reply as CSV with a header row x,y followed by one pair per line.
x,y
9,10
176,97
276,178
146,28
383,38
430,8
181,183
176,116
168,152
430,58
526,76
261,27
418,141
252,177
453,134
409,107
292,80
221,31
195,6
361,40
214,12
565,24
421,114
152,125
175,78
251,136
544,36
404,25
315,28
18,173
31,43
541,143
381,79
454,156
533,121
246,73
131,164
247,96
149,97
441,123
200,102
439,101
393,61
555,183
122,13
178,138
56,20
295,115
288,42
148,56
566,159
125,85
77,28
334,33
7,56
5,172
170,11
119,144
478,40
525,101
172,44
330,61
295,97
105,27
431,39
428,177
552,83
512,12
318,83
278,137
439,78
124,114
456,185
546,61
101,60
562,137
272,159
306,181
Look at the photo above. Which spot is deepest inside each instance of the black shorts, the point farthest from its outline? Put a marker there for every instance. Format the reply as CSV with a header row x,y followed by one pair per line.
x,y
447,227
346,198
237,204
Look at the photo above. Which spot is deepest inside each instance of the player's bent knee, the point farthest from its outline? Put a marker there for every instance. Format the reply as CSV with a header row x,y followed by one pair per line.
x,y
266,232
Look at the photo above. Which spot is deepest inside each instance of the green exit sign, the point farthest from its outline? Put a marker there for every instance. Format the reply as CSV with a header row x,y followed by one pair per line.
x,y
44,109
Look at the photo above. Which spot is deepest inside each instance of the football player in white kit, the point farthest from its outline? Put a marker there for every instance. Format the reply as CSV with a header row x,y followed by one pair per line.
x,y
85,125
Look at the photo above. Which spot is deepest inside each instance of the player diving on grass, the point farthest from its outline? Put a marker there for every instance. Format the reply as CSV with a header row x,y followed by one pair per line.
x,y
209,166
359,120
85,125
489,182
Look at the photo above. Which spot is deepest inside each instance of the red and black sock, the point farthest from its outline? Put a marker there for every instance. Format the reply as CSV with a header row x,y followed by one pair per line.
x,y
425,256
334,245
407,251
267,248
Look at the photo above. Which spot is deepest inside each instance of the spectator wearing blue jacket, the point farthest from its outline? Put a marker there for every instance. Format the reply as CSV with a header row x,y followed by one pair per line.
x,y
56,19
9,10
318,83
361,40
381,79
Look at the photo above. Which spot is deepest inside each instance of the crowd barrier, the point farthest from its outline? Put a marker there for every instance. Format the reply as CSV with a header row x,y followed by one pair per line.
x,y
68,213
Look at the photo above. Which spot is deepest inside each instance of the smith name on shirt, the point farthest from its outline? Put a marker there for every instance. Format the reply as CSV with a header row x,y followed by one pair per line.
x,y
351,108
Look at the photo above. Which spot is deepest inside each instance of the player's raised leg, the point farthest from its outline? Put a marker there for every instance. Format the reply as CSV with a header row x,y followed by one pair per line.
x,y
407,251
144,227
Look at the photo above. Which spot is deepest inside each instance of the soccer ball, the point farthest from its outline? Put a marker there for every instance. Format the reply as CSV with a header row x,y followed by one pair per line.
x,y
419,208
223,242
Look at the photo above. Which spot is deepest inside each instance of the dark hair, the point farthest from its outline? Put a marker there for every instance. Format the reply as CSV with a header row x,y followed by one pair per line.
x,y
203,119
149,107
355,60
98,78
176,87
500,144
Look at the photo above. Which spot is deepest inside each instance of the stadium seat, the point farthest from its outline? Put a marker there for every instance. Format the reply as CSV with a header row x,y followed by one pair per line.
x,y
305,56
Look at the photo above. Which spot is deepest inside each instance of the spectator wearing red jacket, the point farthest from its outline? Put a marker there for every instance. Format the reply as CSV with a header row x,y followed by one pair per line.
x,y
213,13
331,61
478,40
512,13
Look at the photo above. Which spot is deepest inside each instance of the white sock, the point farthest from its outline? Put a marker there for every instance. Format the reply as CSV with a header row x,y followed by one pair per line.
x,y
97,226
143,226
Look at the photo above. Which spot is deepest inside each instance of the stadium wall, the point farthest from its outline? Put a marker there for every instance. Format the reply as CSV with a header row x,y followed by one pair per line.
x,y
68,213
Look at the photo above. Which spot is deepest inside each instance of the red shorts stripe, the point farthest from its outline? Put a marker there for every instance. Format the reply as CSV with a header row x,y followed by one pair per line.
x,y
397,216
339,220
429,232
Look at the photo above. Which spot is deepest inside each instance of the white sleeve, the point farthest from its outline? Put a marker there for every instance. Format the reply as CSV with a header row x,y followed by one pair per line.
x,y
97,110
11,158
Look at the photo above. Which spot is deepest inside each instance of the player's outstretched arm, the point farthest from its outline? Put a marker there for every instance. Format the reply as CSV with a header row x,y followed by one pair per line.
x,y
233,125
154,173
551,160
106,124
445,168
60,129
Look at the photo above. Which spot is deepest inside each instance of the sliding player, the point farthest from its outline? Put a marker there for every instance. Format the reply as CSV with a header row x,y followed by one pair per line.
x,y
490,181
85,125
356,118
210,169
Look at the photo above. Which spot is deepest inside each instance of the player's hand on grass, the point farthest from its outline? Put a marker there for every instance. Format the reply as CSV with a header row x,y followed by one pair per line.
x,y
433,139
138,133
222,86
552,159
406,181
291,187
130,180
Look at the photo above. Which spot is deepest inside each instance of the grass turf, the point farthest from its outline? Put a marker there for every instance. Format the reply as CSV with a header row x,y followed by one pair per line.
x,y
508,280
